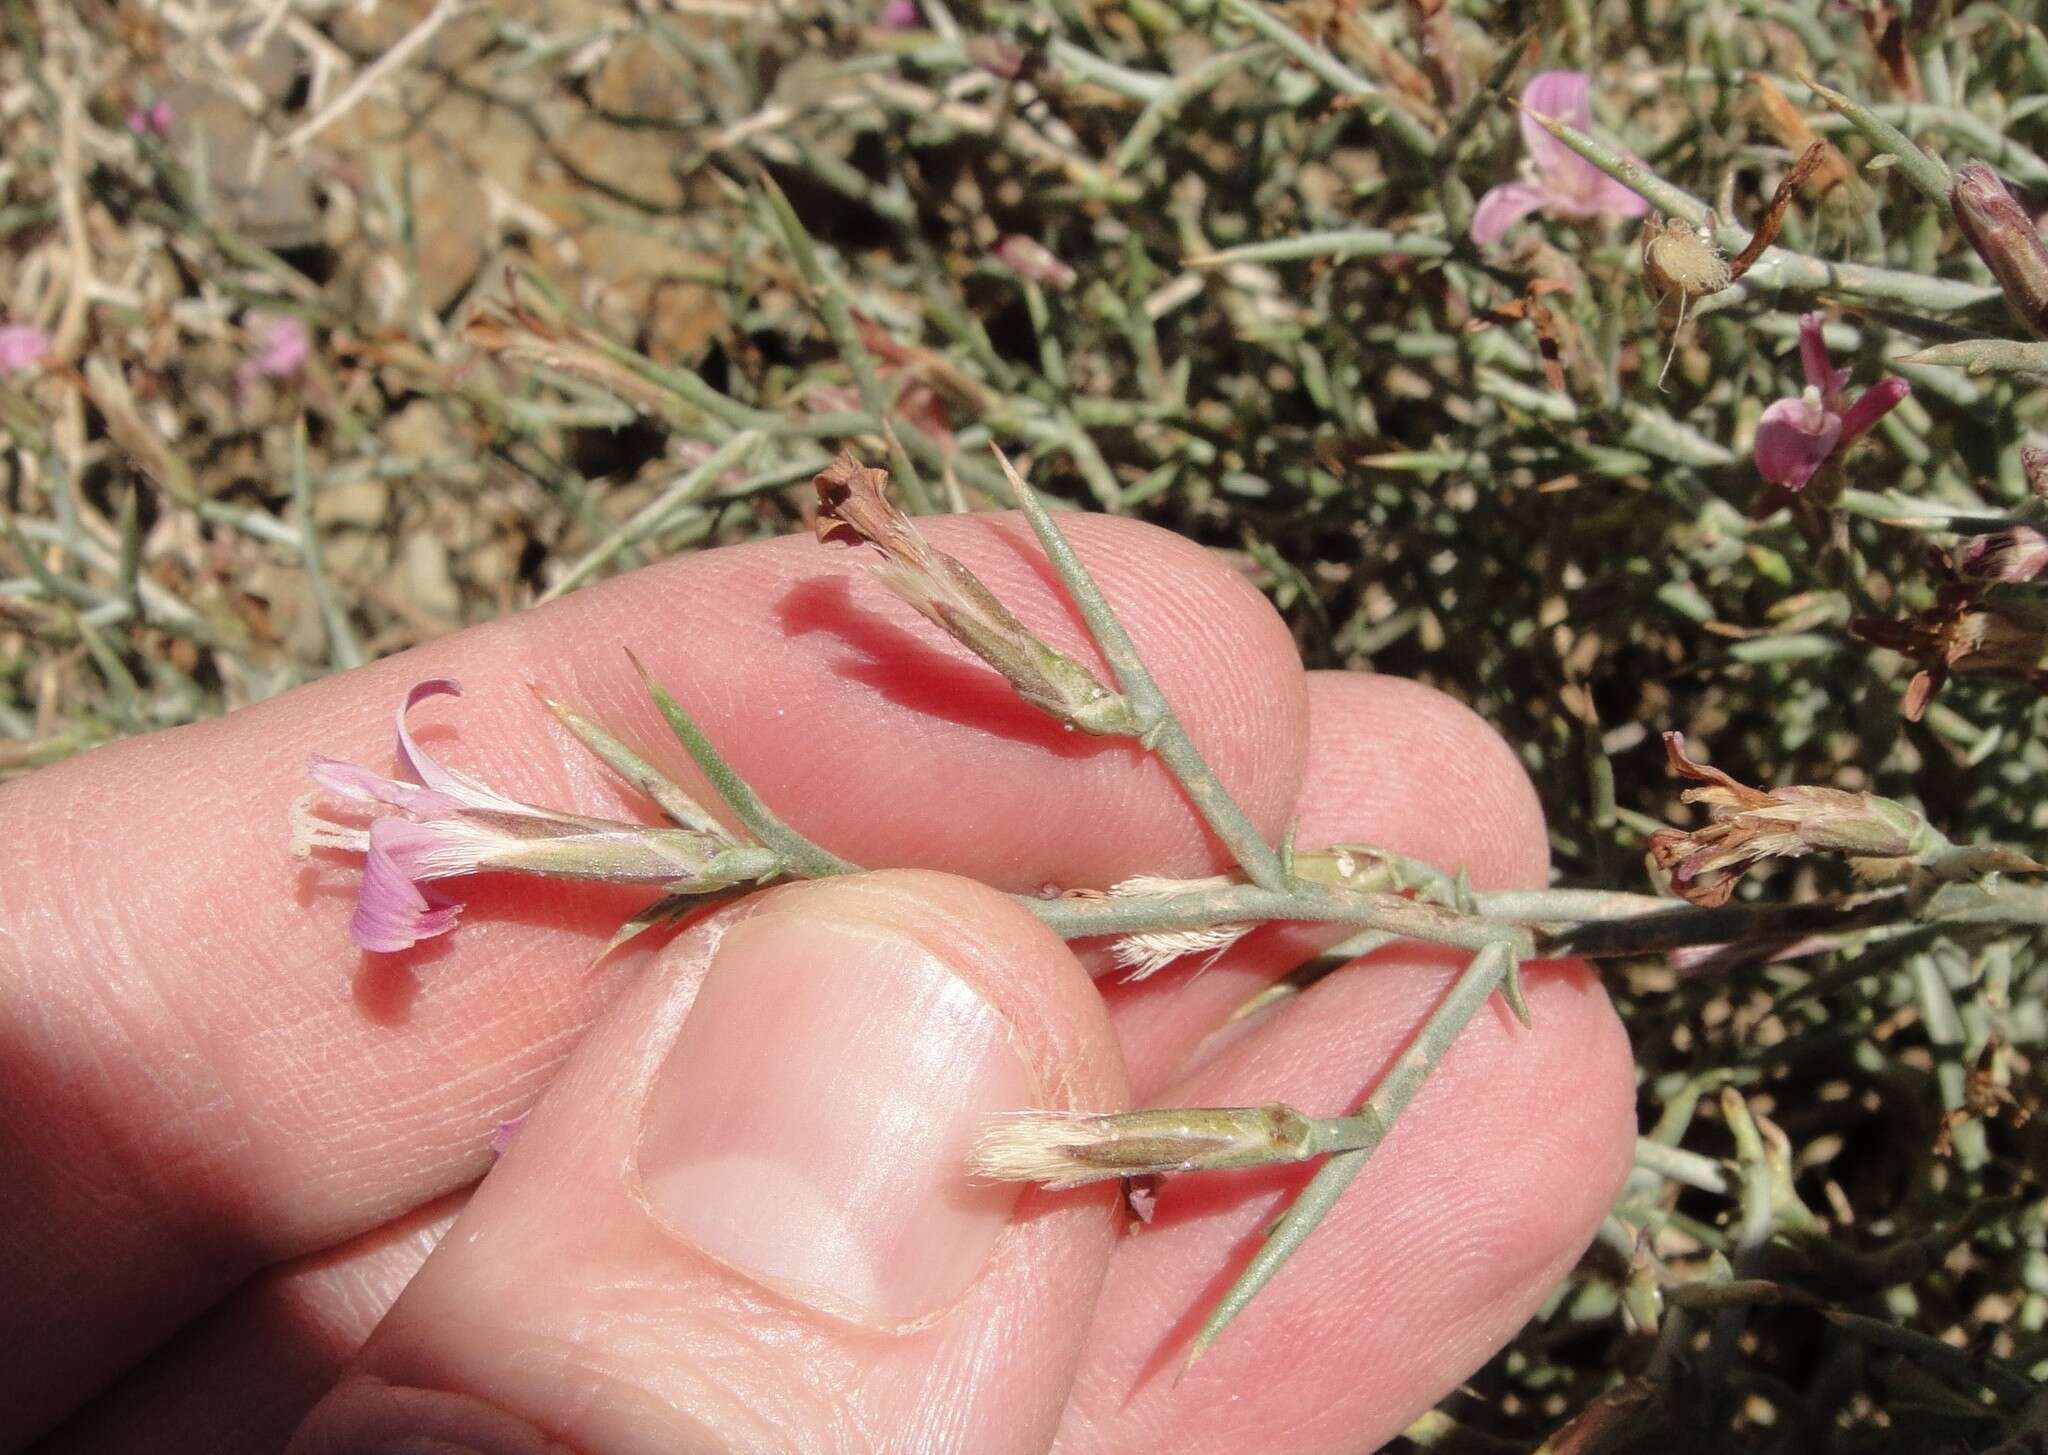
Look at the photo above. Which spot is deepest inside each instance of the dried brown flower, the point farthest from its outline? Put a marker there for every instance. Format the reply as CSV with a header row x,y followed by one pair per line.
x,y
1965,631
854,509
1748,825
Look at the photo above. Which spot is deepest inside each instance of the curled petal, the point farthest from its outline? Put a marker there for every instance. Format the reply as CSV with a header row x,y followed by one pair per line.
x,y
457,787
1504,206
1872,405
392,912
1793,438
422,768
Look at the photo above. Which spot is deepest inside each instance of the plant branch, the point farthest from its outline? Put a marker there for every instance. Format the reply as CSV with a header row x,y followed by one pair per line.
x,y
1160,729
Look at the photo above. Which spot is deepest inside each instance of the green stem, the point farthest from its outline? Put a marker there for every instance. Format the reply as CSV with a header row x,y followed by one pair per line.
x,y
1333,73
846,338
1161,729
799,854
1923,171
1367,1129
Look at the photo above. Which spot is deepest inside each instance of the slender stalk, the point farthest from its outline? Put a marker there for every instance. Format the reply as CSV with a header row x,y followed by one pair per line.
x,y
846,338
663,791
650,517
1369,1126
799,854
1923,171
1779,268
1977,357
341,638
1340,78
1161,729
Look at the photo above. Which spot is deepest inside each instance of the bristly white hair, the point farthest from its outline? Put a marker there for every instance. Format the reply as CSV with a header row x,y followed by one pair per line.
x,y
1151,951
1036,1146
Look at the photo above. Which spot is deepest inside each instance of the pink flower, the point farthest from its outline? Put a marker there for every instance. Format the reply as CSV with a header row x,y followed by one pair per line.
x,y
155,120
902,15
282,345
448,825
1556,180
22,347
1796,436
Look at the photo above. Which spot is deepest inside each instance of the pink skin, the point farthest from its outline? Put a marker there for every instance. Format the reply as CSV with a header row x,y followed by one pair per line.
x,y
228,1090
1558,182
1796,436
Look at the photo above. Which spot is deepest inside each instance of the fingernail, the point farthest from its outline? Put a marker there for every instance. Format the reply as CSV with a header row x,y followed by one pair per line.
x,y
812,1123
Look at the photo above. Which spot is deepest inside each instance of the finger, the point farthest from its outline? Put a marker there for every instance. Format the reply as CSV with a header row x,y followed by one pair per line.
x,y
244,1376
202,1077
743,1220
1393,764
1488,1188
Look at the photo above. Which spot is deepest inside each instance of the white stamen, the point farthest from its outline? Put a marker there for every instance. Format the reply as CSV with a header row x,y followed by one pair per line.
x,y
310,831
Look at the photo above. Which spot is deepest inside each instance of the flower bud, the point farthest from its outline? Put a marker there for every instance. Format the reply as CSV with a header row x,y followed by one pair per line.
x,y
2007,240
2019,553
1069,1149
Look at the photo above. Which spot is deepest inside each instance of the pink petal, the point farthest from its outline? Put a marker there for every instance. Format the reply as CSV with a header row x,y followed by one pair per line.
x,y
392,913
423,768
902,15
349,780
1793,438
1872,405
1562,96
1813,359
1502,207
282,345
1611,198
22,347
1575,186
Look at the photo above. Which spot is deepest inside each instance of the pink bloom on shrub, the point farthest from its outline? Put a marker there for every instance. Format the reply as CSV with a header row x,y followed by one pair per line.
x,y
1556,180
1796,436
22,347
283,344
154,120
902,15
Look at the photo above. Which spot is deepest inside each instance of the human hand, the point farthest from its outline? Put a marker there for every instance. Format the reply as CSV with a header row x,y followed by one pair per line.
x,y
748,1247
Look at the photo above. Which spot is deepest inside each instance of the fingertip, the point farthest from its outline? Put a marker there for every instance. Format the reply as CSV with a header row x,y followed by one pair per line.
x,y
1434,779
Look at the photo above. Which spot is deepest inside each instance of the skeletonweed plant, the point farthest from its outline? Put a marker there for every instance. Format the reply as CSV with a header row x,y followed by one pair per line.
x,y
437,825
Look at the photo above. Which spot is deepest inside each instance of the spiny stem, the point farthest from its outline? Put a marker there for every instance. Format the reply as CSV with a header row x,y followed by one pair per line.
x,y
1369,1126
671,797
1923,171
1162,730
799,854
1779,267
